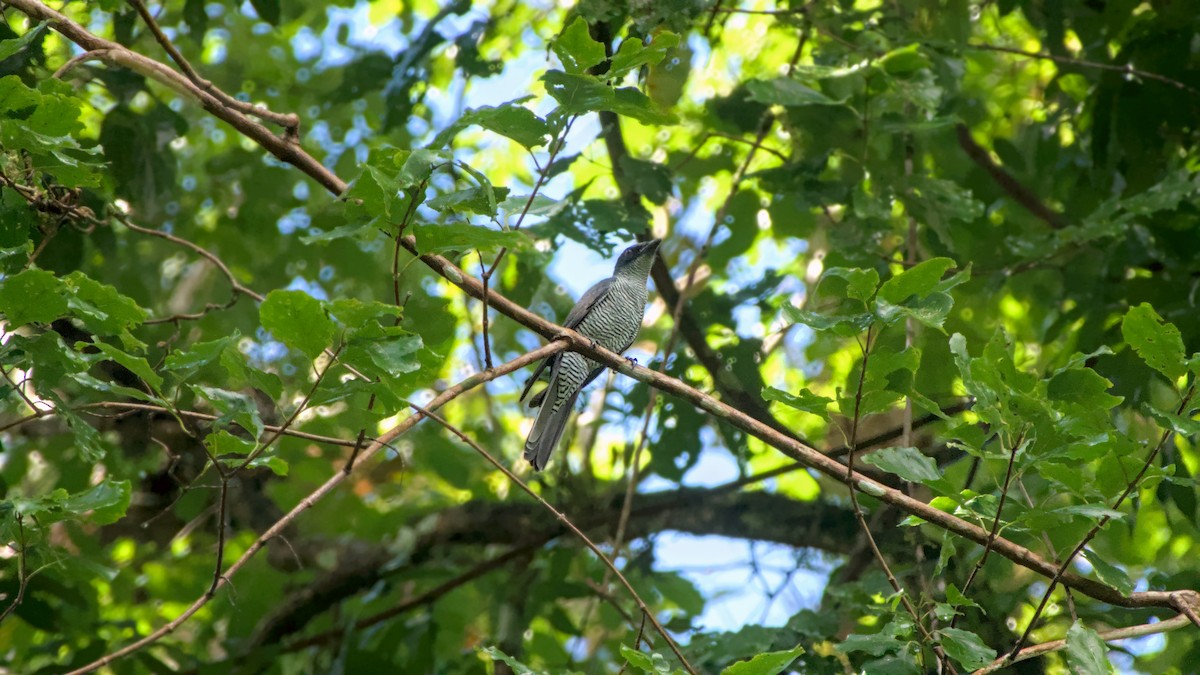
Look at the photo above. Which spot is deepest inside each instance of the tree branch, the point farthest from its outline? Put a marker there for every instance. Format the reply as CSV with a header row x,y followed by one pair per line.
x,y
315,496
562,517
1023,195
749,422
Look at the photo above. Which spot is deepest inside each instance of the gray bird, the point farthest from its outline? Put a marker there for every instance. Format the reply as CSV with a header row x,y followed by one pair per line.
x,y
610,313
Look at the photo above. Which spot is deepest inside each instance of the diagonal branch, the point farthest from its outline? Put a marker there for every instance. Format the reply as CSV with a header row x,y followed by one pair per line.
x,y
290,122
1037,650
749,422
1015,189
570,526
316,495
118,55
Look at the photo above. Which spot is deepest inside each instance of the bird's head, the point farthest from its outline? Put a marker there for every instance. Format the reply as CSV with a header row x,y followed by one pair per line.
x,y
637,259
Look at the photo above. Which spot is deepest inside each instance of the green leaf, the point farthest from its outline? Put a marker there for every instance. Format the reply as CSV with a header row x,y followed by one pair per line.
x,y
956,598
103,309
14,95
907,463
242,374
844,325
1156,341
233,407
1109,573
86,439
966,648
136,364
419,165
223,444
647,663
1086,652
32,296
353,313
904,60
298,320
634,54
199,354
860,283
1084,387
931,310
805,401
578,94
267,10
397,354
771,663
919,280
875,644
107,501
576,48
653,180
17,218
510,119
10,47
277,465
464,237
375,189
518,668
480,200
787,92
111,387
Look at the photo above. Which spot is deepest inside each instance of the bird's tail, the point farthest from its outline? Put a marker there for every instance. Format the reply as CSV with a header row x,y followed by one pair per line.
x,y
547,429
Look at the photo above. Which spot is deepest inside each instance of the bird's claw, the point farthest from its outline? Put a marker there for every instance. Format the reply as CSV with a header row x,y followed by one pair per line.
x,y
632,361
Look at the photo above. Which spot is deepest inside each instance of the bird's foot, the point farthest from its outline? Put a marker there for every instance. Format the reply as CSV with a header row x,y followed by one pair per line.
x,y
632,361
595,345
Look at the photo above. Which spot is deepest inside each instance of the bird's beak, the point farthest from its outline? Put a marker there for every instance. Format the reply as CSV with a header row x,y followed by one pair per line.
x,y
649,247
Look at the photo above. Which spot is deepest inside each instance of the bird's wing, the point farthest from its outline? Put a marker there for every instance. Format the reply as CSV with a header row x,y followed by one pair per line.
x,y
586,303
574,318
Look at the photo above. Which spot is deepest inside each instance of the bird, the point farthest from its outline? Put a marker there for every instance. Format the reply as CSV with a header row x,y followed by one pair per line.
x,y
610,315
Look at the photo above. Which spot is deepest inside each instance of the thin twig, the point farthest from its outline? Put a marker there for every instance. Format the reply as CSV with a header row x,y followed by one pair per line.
x,y
1044,648
23,573
315,496
569,525
485,276
1133,485
38,411
76,60
295,413
862,521
290,121
770,432
1015,189
428,597
1126,69
487,343
987,547
127,405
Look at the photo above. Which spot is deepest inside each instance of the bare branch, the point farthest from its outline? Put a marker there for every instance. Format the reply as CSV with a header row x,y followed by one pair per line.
x,y
1023,195
1108,636
316,495
571,526
118,55
290,122
1126,69
1133,485
756,422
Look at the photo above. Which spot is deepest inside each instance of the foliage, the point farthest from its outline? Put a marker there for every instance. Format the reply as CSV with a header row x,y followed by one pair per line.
x,y
960,234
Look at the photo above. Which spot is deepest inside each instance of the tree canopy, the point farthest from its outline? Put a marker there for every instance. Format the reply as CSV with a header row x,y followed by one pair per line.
x,y
272,275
